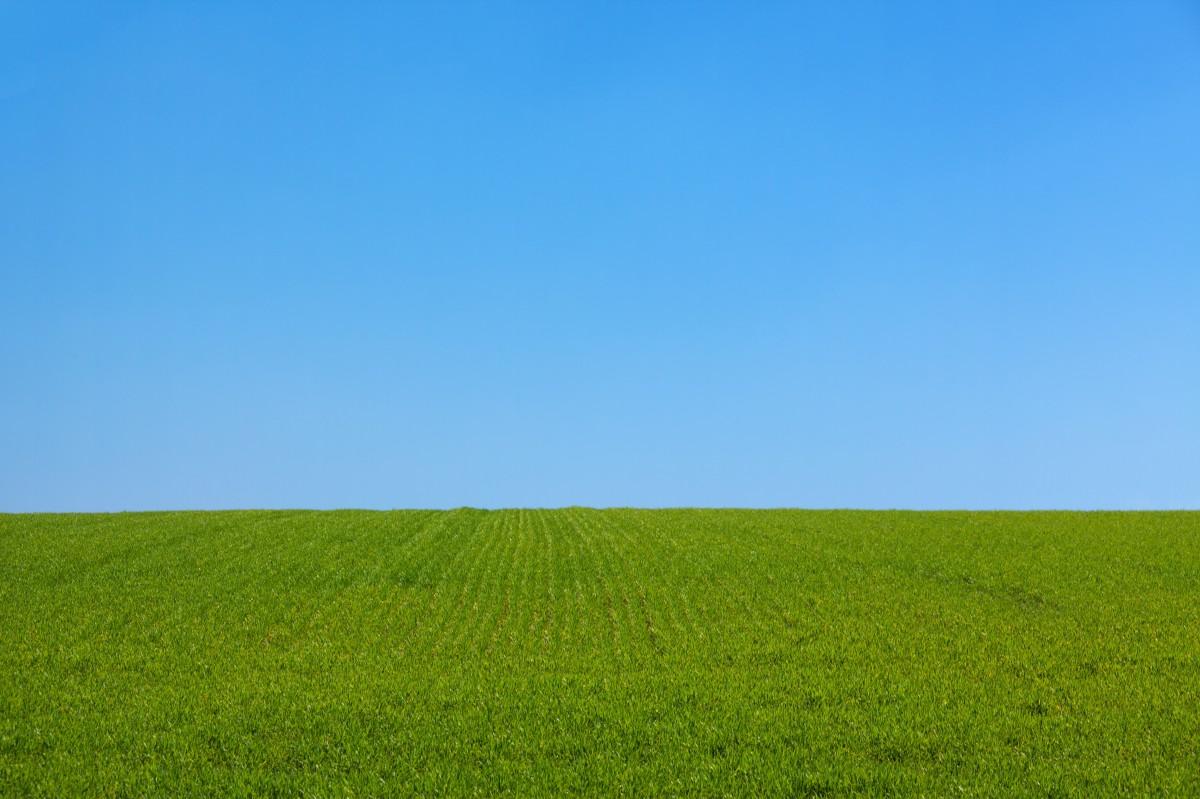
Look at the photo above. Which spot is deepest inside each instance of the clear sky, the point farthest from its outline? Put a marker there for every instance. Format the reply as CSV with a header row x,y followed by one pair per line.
x,y
395,255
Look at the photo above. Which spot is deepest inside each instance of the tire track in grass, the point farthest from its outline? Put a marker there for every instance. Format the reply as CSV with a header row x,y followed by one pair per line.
x,y
576,632
615,543
562,568
663,553
451,583
599,585
542,596
573,632
390,591
445,559
335,557
735,608
310,577
459,580
752,611
503,636
469,637
688,602
368,601
645,576
657,615
518,607
505,579
407,567
531,625
555,621
639,551
550,618
459,635
352,575
289,584
420,569
523,604
620,606
600,627
766,532
709,626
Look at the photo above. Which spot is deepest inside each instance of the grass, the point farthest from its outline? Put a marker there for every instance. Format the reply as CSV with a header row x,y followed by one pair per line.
x,y
617,652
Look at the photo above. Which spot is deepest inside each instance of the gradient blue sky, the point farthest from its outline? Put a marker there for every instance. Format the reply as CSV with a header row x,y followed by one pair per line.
x,y
290,255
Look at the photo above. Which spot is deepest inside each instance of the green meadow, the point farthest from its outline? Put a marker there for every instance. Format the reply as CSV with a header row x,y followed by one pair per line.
x,y
600,652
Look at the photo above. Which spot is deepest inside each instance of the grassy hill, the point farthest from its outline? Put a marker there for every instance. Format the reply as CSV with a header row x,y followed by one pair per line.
x,y
616,652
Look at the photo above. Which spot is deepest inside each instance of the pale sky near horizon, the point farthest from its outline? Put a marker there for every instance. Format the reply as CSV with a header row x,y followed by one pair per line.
x,y
429,255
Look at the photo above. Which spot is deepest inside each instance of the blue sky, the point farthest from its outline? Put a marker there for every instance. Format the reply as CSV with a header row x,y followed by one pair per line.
x,y
395,255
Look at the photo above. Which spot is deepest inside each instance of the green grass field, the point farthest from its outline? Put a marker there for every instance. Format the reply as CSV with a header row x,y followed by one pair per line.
x,y
618,652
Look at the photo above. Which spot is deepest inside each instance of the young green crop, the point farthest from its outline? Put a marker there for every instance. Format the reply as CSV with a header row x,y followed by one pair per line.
x,y
616,652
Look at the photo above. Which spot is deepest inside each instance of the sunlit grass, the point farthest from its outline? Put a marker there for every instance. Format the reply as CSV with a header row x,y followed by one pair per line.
x,y
629,652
